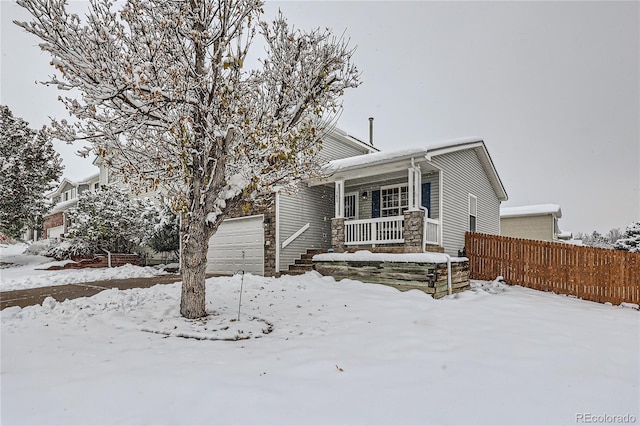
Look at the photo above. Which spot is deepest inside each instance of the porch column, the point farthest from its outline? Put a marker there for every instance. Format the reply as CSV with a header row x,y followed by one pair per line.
x,y
337,234
413,231
339,200
415,187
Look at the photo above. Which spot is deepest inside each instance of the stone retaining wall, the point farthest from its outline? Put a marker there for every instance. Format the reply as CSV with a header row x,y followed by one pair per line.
x,y
428,277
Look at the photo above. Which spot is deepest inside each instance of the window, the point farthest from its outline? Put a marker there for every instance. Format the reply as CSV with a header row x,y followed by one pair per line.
x,y
473,212
394,200
351,206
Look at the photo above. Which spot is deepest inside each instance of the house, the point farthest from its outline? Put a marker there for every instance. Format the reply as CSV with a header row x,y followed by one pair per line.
x,y
534,222
63,198
405,201
267,240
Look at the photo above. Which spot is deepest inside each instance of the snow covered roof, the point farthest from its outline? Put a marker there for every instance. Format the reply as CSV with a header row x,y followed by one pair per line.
x,y
378,158
62,206
89,179
532,210
426,152
350,140
565,235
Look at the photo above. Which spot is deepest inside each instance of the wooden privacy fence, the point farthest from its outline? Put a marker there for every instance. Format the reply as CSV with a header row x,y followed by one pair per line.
x,y
599,275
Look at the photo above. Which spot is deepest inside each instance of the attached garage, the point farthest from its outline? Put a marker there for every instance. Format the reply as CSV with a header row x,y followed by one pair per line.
x,y
55,232
238,245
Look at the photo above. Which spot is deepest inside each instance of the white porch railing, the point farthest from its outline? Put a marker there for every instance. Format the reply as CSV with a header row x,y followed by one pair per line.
x,y
383,230
431,231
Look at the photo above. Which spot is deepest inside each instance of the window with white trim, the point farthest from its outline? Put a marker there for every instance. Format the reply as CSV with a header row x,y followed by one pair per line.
x,y
351,205
473,213
394,200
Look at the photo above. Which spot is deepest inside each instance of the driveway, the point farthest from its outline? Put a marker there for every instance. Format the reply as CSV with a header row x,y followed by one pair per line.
x,y
35,296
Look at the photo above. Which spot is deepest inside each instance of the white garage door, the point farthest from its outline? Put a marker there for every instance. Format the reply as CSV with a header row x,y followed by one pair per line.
x,y
55,232
238,245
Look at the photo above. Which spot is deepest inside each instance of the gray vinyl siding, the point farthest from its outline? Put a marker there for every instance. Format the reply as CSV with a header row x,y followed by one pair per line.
x,y
333,149
83,187
462,174
309,205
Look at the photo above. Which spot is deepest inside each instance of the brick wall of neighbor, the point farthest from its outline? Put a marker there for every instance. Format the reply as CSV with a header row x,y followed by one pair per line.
x,y
100,261
52,221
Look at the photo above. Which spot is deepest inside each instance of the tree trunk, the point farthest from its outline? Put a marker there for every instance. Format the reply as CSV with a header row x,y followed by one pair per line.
x,y
195,244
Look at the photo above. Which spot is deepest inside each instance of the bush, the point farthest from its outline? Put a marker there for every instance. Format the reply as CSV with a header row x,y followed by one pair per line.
x,y
108,219
630,240
71,247
39,247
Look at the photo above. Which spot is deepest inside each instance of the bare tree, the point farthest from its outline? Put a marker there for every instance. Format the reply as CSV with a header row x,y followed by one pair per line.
x,y
161,90
614,235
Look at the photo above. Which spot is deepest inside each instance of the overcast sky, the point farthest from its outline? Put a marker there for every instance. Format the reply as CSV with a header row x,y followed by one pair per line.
x,y
553,88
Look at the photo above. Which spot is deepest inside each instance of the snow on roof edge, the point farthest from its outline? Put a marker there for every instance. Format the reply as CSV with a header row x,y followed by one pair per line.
x,y
531,210
389,156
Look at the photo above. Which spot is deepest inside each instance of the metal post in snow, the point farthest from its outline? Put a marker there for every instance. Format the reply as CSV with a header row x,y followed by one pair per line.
x,y
241,285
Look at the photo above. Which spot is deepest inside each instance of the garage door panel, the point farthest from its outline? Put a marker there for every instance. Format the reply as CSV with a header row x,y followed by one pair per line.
x,y
237,245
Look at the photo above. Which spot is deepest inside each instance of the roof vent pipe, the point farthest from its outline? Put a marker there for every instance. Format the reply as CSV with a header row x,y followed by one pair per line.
x,y
371,131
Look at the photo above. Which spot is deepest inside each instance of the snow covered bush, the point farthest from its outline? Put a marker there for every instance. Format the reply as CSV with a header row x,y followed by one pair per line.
x,y
630,240
595,239
72,247
109,220
39,247
164,235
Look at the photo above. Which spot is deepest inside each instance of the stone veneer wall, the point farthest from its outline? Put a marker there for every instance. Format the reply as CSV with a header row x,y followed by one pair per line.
x,y
432,278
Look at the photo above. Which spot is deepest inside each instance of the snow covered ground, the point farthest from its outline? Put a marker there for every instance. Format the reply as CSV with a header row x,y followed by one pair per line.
x,y
20,271
319,352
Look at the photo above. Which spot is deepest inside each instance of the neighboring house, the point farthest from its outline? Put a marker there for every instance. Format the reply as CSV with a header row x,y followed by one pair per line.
x,y
535,222
401,201
64,198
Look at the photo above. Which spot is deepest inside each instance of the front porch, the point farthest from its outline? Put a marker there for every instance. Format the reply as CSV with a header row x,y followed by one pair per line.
x,y
409,233
390,211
